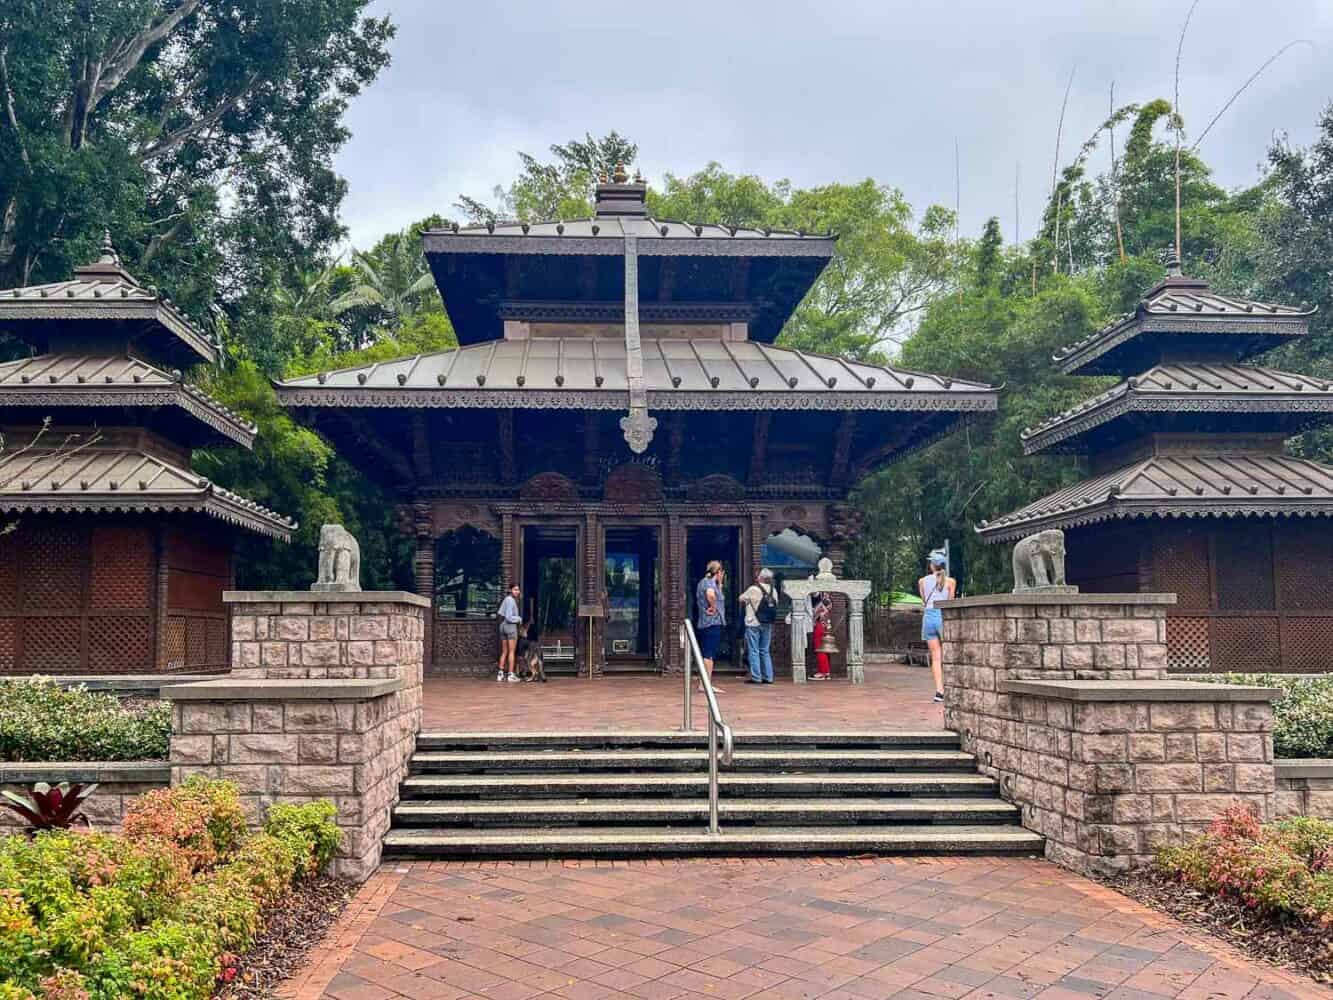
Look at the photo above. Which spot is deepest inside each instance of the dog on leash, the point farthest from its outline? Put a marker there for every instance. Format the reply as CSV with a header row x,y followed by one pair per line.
x,y
531,663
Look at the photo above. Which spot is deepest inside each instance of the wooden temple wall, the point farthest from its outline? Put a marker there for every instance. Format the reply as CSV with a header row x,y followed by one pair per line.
x,y
95,595
1253,594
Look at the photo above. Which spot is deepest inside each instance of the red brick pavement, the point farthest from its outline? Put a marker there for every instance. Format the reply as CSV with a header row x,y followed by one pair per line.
x,y
907,928
893,697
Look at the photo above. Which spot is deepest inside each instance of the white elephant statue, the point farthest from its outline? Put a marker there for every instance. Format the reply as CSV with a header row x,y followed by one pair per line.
x,y
339,560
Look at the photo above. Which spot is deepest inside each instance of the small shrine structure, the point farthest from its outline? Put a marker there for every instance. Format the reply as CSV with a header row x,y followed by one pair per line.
x,y
825,582
1191,491
616,416
115,553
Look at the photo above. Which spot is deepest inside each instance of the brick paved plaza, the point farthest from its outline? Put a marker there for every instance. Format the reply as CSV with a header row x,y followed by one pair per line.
x,y
907,928
893,697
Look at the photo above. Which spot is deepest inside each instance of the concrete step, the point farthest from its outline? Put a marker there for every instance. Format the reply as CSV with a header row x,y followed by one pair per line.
x,y
643,761
785,812
730,783
443,740
659,841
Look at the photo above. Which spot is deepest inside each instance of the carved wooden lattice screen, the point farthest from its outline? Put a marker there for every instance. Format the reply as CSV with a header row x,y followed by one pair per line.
x,y
1181,558
76,598
198,572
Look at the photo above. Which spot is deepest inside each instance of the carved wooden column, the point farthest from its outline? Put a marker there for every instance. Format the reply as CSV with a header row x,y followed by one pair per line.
x,y
675,584
594,570
423,572
510,571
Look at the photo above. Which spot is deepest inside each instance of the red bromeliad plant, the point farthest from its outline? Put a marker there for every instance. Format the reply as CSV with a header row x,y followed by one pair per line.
x,y
48,808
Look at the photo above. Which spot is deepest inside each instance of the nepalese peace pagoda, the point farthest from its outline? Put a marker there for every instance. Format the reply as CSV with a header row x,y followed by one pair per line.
x,y
615,417
117,553
1191,491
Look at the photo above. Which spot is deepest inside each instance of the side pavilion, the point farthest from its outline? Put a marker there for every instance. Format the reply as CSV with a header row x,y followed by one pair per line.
x,y
615,417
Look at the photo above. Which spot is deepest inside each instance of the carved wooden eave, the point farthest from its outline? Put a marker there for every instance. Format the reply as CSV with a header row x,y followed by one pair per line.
x,y
118,380
1189,388
1179,486
105,480
370,442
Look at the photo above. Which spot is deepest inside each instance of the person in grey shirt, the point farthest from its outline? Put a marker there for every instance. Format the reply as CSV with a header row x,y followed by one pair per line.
x,y
509,616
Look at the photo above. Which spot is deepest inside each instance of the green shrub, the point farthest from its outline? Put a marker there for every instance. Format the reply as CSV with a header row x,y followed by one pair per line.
x,y
87,916
40,721
1303,719
1283,868
313,821
201,817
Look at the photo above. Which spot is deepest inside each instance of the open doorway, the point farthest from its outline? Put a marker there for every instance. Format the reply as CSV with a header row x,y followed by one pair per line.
x,y
550,591
631,595
702,545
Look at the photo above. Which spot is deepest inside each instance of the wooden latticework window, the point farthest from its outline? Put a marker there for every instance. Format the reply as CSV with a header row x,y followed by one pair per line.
x,y
1253,594
77,597
198,571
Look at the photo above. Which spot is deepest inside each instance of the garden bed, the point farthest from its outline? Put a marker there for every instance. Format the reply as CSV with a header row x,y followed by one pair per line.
x,y
1268,889
299,922
161,912
1273,940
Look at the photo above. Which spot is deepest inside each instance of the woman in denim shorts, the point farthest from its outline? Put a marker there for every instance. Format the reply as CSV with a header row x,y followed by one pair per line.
x,y
935,586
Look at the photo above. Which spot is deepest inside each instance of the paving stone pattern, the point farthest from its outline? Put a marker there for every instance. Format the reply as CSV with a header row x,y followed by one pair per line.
x,y
838,929
893,697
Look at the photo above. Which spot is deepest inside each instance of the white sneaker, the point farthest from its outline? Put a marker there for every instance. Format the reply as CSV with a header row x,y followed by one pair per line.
x,y
512,678
500,677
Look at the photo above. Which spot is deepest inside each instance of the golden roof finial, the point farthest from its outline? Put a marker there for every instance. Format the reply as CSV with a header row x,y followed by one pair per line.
x,y
620,177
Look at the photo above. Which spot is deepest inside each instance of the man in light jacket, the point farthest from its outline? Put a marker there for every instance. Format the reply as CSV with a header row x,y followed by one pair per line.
x,y
760,602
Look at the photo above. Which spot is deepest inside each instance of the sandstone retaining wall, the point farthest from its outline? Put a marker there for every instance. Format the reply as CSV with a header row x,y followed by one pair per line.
x,y
1304,788
118,784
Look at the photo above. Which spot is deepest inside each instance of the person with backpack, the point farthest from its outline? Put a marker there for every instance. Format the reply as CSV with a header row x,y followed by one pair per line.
x,y
760,602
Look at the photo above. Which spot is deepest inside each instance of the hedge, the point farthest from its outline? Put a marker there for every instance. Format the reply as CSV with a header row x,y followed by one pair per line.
x,y
158,913
41,721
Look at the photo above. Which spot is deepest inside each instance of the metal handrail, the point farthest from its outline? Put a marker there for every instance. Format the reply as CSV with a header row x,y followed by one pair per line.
x,y
689,644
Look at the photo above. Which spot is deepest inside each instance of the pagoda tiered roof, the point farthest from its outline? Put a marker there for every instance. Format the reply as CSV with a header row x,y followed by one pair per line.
x,y
99,298
1181,317
1187,395
590,373
70,381
1168,485
96,478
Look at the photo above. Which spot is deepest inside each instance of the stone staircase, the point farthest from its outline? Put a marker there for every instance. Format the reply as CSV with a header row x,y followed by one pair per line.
x,y
530,795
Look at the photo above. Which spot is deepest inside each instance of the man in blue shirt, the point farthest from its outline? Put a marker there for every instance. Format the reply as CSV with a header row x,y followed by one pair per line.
x,y
710,614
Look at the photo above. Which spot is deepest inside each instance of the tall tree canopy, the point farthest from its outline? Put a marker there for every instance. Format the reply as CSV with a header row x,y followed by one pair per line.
x,y
200,132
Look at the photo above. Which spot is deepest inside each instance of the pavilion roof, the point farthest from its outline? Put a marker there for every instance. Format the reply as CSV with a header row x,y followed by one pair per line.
x,y
1188,388
1186,315
98,479
590,373
104,290
103,380
1213,485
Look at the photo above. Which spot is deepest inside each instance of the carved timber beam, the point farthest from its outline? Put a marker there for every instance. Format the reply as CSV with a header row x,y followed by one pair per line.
x,y
420,447
876,456
759,447
504,421
637,425
840,470
367,440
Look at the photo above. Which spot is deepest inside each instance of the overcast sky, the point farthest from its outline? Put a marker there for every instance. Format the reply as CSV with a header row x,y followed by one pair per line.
x,y
815,91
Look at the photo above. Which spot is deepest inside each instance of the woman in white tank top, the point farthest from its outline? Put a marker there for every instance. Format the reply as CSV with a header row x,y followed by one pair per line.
x,y
935,586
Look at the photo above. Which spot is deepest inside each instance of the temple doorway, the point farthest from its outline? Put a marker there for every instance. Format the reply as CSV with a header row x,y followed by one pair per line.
x,y
550,591
631,584
703,544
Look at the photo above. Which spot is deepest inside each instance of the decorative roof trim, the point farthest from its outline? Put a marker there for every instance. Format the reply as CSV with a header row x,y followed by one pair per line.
x,y
985,399
1130,396
156,310
1122,509
614,312
218,504
611,244
189,398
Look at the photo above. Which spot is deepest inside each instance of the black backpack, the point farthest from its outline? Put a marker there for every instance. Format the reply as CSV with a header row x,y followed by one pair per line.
x,y
767,612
